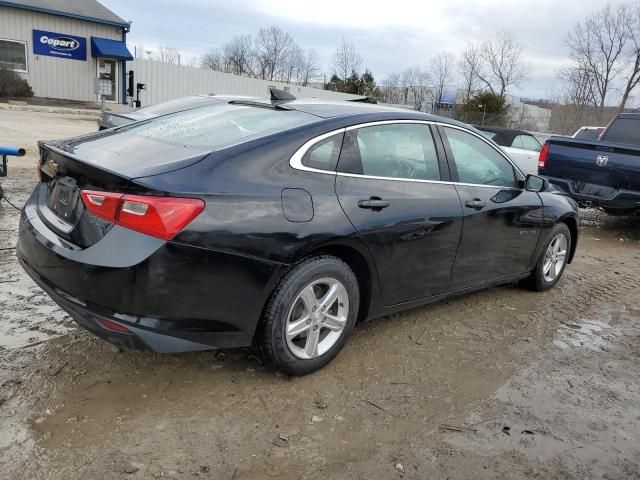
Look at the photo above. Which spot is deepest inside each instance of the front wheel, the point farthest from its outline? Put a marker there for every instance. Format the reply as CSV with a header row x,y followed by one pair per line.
x,y
553,259
310,316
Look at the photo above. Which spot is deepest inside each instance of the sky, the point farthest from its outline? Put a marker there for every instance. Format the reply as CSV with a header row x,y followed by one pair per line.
x,y
390,35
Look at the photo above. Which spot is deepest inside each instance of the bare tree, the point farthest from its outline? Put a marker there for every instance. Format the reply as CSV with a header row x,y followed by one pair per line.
x,y
271,55
574,102
273,47
213,60
309,67
346,60
597,46
392,89
504,65
633,69
469,68
238,55
295,64
415,82
579,87
442,66
301,65
170,55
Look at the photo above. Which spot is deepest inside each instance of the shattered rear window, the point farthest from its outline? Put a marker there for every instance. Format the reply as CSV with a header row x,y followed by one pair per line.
x,y
220,126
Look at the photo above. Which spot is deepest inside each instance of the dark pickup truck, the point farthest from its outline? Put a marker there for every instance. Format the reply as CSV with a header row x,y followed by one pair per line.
x,y
601,173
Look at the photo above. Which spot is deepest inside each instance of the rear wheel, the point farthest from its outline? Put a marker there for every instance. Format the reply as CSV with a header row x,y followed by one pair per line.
x,y
553,259
310,316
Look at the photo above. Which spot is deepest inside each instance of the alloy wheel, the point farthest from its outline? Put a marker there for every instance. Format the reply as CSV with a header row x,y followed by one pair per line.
x,y
317,318
555,257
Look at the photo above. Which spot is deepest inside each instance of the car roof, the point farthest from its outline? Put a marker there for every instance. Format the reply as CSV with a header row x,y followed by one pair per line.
x,y
503,136
633,115
358,111
323,109
509,131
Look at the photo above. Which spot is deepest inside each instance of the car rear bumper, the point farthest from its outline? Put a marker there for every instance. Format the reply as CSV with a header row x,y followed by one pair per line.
x,y
162,336
598,195
171,297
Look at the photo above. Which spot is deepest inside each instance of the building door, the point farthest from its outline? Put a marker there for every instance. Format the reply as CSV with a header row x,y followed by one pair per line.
x,y
107,70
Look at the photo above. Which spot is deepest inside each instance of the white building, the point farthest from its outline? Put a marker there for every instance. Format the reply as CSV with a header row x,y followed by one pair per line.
x,y
62,47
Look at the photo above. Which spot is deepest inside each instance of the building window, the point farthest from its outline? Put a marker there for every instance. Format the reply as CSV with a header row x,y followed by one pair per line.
x,y
13,55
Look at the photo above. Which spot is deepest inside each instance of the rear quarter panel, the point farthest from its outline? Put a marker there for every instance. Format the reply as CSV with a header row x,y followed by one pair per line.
x,y
244,225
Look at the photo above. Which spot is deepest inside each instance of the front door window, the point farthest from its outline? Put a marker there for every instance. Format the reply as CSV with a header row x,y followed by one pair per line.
x,y
478,162
107,71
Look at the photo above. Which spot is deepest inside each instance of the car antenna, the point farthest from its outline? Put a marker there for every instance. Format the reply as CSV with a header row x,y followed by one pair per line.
x,y
280,95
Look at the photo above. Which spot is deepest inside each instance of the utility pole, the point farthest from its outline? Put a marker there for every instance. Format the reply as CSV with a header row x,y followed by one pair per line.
x,y
484,111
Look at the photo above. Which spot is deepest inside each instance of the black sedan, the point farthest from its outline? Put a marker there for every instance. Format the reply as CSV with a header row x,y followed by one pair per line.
x,y
281,224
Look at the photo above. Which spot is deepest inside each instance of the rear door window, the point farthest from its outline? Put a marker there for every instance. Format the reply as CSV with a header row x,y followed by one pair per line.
x,y
529,142
401,150
517,142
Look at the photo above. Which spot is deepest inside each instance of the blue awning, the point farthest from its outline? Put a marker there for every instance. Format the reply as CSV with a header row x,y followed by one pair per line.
x,y
105,48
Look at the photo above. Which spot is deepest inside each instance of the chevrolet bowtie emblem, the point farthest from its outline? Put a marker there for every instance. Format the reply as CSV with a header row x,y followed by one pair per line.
x,y
50,168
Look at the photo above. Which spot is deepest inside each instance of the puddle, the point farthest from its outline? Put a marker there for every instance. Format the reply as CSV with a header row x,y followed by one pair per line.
x,y
570,408
27,314
592,334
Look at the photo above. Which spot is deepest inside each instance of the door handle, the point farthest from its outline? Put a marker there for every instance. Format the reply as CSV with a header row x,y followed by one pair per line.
x,y
475,203
374,203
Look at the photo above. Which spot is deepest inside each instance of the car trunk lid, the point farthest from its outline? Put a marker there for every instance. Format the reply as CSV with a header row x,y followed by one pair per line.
x,y
71,166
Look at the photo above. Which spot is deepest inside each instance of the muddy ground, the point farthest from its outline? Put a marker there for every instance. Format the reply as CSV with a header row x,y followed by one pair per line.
x,y
504,383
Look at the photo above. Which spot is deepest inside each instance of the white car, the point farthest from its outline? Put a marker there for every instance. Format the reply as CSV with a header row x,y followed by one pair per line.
x,y
521,146
588,133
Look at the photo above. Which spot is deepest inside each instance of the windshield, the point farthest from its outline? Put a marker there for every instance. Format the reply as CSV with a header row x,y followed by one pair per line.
x,y
220,126
623,130
588,133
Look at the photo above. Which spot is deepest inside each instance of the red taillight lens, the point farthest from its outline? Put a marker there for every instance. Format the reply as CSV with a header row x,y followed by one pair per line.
x,y
102,204
161,217
544,153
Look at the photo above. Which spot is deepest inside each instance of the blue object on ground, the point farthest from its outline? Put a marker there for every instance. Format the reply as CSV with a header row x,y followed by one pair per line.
x,y
13,151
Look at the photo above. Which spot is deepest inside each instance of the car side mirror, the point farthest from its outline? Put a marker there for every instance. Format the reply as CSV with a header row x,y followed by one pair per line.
x,y
535,183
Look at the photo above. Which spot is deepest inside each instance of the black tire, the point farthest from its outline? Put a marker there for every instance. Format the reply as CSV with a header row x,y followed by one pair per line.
x,y
270,340
537,280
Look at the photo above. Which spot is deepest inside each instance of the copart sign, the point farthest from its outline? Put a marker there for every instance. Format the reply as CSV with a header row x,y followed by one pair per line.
x,y
59,45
